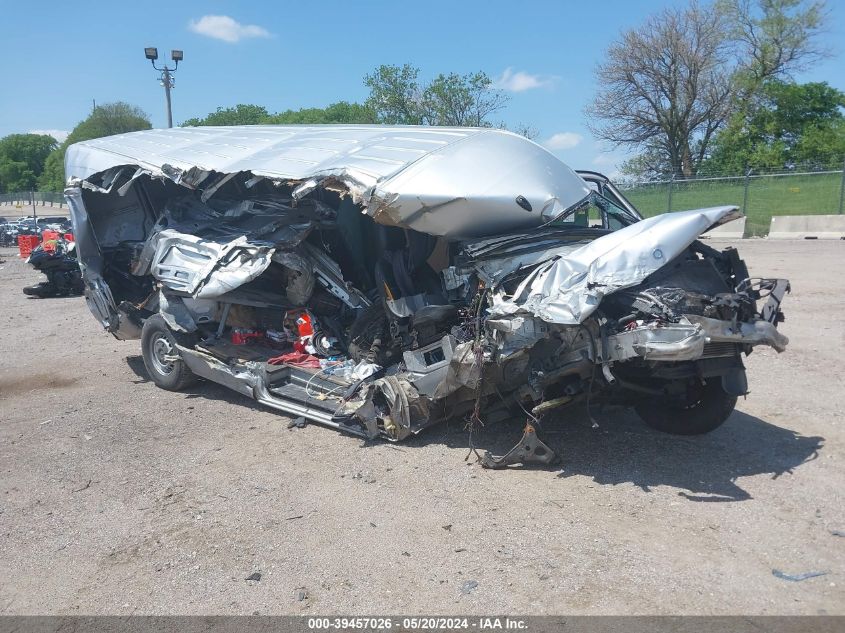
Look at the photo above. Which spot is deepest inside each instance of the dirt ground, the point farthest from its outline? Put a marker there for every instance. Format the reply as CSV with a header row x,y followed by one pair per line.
x,y
117,497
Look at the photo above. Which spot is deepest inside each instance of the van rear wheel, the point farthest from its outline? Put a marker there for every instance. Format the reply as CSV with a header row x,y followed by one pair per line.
x,y
161,356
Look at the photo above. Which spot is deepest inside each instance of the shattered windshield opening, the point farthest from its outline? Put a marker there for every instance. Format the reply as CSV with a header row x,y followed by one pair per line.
x,y
594,208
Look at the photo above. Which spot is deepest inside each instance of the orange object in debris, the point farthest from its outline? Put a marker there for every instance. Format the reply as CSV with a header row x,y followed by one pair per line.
x,y
26,243
304,325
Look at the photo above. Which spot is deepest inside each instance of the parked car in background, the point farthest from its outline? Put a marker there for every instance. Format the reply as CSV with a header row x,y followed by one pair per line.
x,y
53,223
382,279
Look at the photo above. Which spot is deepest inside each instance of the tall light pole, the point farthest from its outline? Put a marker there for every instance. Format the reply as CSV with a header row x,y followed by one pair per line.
x,y
166,78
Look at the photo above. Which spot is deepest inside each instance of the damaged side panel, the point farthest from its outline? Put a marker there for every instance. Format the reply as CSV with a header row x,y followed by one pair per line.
x,y
205,269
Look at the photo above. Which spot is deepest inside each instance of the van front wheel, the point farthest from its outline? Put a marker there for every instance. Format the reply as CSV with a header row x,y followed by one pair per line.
x,y
705,408
161,356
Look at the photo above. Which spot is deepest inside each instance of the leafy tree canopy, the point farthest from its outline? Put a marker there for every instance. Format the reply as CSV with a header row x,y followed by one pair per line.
x,y
667,87
241,114
105,120
249,114
22,159
398,97
787,125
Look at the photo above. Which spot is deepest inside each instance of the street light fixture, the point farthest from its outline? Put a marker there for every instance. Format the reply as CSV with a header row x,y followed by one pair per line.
x,y
166,77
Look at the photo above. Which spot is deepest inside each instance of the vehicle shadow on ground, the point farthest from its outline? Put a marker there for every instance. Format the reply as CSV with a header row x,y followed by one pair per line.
x,y
62,298
621,450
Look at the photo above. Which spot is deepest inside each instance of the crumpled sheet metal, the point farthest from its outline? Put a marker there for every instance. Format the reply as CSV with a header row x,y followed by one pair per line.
x,y
435,180
675,343
407,412
517,334
174,312
686,339
757,333
568,289
300,285
464,371
203,268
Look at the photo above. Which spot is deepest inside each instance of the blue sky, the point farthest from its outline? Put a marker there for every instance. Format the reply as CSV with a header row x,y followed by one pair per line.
x,y
58,56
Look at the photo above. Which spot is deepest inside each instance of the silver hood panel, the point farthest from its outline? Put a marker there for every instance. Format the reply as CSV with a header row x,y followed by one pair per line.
x,y
567,290
431,179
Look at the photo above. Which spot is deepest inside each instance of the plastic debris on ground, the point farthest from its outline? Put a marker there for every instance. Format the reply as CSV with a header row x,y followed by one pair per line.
x,y
777,573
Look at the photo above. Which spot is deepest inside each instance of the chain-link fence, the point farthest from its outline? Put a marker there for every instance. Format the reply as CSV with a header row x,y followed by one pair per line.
x,y
760,196
31,198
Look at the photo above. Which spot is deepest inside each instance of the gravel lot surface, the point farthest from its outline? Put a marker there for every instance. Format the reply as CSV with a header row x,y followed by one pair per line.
x,y
117,497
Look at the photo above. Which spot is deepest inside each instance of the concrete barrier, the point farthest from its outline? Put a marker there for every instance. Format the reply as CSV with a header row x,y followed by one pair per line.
x,y
731,231
797,227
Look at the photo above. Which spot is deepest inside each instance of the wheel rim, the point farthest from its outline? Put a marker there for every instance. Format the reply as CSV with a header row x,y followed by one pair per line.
x,y
161,352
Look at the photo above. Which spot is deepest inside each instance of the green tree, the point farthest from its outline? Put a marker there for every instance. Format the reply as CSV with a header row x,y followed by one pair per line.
x,y
667,87
109,119
398,97
772,37
22,158
248,114
462,100
16,175
395,95
823,146
241,114
786,124
340,112
53,176
106,120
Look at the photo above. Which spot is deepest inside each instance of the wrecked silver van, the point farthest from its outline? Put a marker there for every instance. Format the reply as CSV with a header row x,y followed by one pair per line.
x,y
382,279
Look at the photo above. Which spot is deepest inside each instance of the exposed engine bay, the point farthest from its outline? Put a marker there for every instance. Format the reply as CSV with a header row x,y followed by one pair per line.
x,y
322,298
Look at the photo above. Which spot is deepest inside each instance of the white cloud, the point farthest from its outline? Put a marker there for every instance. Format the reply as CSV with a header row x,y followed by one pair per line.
x,y
59,135
520,81
563,140
222,27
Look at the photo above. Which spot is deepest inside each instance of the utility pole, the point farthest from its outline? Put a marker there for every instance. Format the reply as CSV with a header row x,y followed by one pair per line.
x,y
168,83
166,78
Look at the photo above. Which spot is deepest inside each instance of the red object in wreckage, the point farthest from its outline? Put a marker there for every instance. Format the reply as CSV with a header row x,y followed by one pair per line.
x,y
304,325
241,336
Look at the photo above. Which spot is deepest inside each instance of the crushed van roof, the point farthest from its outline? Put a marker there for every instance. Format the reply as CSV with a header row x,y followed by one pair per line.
x,y
431,179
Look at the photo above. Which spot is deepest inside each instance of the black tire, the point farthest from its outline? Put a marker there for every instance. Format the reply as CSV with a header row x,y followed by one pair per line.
x,y
43,290
705,409
157,341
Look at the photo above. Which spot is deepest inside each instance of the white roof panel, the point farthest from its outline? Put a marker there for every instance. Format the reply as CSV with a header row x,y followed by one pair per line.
x,y
458,182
